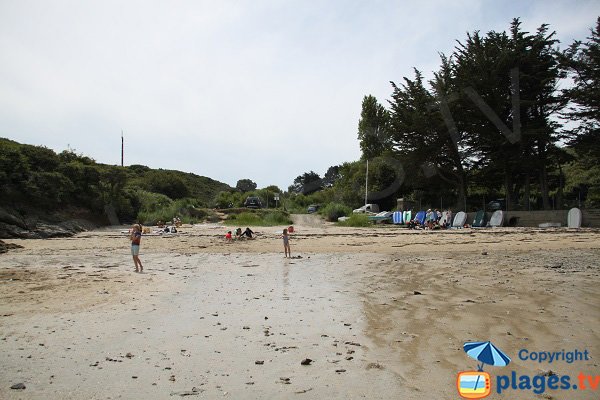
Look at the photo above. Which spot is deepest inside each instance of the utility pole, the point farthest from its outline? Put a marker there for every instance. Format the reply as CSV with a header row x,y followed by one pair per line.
x,y
122,147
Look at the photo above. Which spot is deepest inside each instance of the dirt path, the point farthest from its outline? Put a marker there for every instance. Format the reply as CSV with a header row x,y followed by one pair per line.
x,y
309,220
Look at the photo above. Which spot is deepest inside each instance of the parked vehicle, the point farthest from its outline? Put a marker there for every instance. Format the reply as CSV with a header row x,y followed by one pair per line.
x,y
253,202
367,209
313,208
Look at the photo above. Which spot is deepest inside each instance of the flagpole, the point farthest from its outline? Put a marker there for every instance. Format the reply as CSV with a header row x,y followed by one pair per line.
x,y
367,183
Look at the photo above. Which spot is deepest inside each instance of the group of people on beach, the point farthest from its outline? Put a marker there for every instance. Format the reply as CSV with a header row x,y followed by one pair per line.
x,y
247,234
135,236
434,219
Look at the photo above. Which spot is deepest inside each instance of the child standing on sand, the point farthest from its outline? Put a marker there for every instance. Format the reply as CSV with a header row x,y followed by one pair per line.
x,y
286,244
136,238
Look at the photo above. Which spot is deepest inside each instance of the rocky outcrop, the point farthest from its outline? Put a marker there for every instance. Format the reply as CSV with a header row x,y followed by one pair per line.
x,y
4,247
12,226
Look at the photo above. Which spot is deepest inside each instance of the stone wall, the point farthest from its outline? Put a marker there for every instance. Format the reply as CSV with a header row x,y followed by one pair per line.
x,y
591,218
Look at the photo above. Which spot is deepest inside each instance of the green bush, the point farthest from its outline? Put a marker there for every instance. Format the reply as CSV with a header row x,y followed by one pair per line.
x,y
277,218
156,207
151,202
356,220
335,210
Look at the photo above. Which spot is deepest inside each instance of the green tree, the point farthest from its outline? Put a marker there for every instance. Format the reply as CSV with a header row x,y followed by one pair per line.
x,y
167,183
306,183
582,180
373,128
331,176
428,146
350,187
245,185
581,61
509,80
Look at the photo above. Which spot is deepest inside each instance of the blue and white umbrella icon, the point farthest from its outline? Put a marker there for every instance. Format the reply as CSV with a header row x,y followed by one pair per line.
x,y
486,353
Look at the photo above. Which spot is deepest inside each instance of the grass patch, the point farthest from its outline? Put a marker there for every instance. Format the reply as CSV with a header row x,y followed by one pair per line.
x,y
356,221
258,218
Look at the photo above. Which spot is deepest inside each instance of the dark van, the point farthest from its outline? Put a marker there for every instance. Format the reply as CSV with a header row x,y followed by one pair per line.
x,y
253,202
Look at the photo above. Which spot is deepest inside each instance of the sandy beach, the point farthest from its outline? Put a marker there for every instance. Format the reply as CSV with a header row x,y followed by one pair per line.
x,y
382,312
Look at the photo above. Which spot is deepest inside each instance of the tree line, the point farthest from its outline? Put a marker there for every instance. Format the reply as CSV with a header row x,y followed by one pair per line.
x,y
36,179
507,115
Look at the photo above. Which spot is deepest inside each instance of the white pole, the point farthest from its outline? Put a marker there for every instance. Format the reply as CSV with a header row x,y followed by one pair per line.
x,y
367,183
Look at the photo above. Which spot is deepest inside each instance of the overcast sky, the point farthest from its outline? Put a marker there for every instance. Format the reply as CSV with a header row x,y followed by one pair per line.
x,y
254,89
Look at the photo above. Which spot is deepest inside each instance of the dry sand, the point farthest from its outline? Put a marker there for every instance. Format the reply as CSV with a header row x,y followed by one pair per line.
x,y
214,320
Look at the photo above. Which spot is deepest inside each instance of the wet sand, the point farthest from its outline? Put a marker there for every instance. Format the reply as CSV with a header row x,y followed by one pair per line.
x,y
382,312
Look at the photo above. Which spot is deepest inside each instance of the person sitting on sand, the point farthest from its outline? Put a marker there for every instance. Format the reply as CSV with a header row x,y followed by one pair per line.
x,y
448,223
228,237
286,244
432,219
248,233
413,223
238,233
136,237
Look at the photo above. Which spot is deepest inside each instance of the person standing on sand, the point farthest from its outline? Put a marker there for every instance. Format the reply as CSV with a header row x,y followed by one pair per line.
x,y
136,238
286,244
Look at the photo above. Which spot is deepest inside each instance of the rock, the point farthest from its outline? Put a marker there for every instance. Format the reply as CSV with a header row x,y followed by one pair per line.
x,y
484,253
129,355
546,373
10,219
5,247
417,293
285,380
35,225
374,366
306,361
18,386
259,362
339,371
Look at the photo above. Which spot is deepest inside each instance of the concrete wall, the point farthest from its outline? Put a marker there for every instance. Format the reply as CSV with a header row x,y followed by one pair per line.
x,y
591,218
